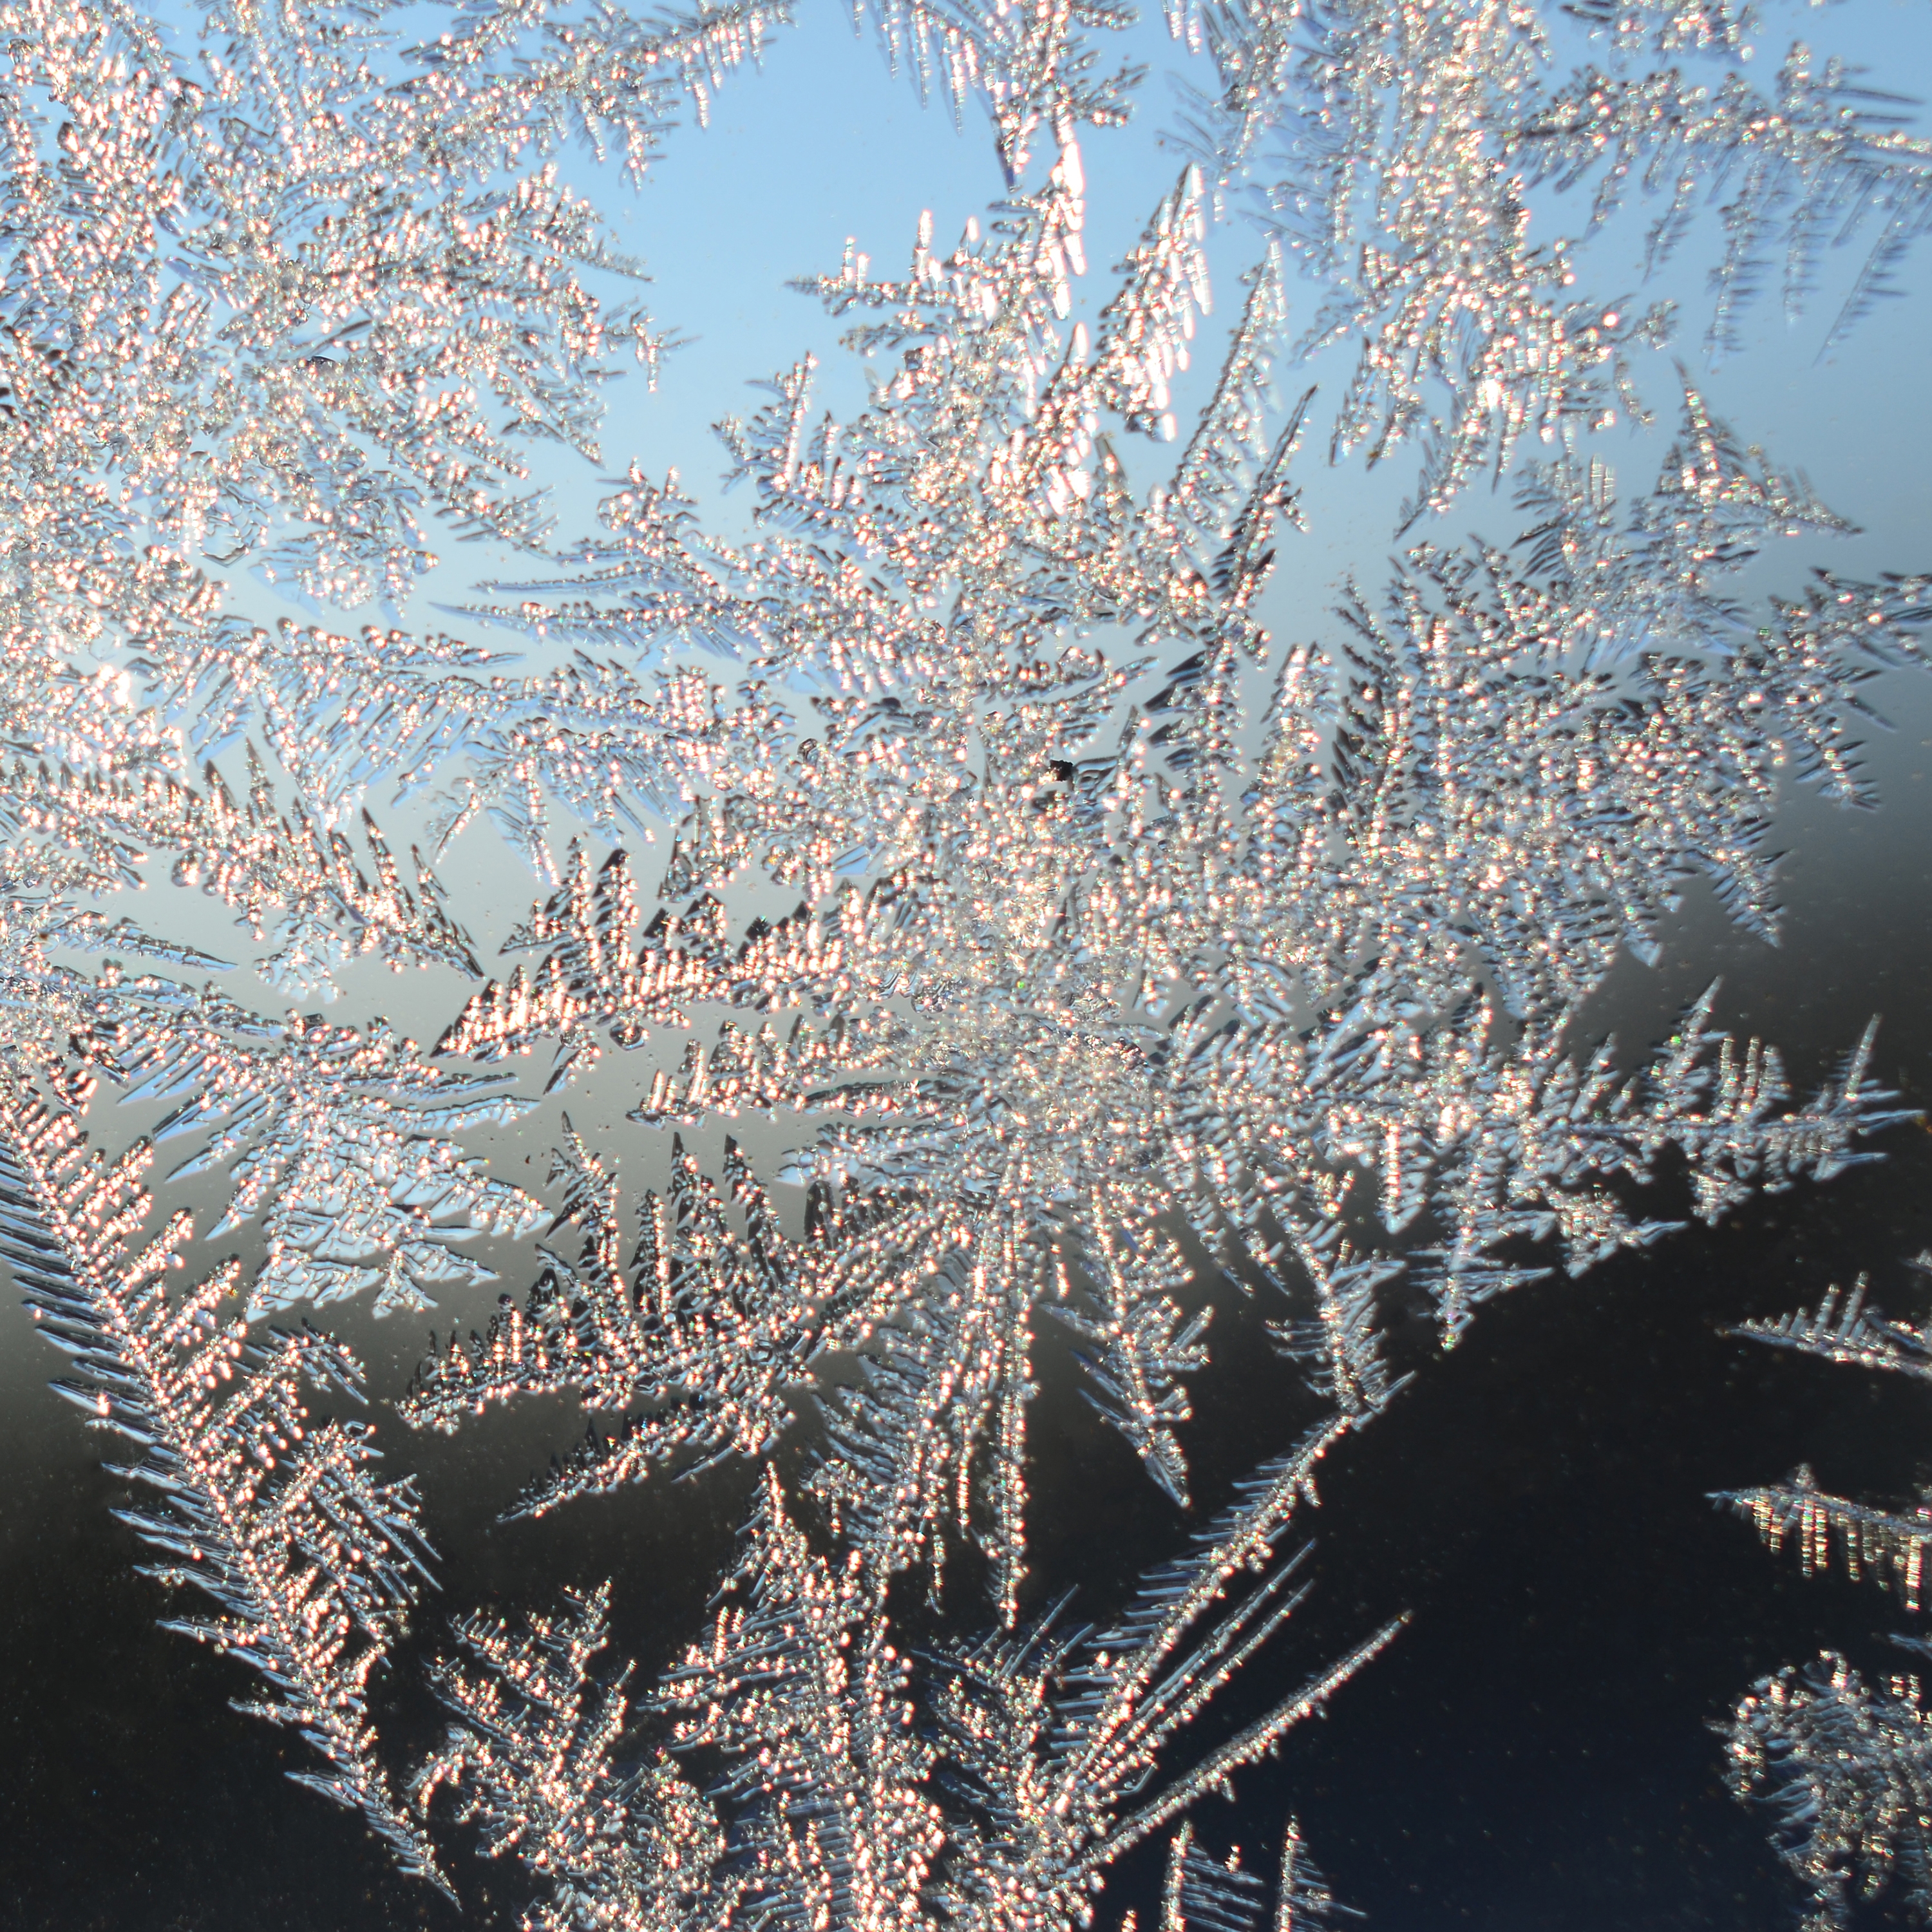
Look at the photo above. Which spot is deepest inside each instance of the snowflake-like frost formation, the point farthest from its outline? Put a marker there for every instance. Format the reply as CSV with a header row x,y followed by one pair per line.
x,y
1086,922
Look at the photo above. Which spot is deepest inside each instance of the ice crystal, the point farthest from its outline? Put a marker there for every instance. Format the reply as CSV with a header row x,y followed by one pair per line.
x,y
1872,1541
837,1748
528,1759
1216,1895
714,1328
340,1140
1845,1767
1081,938
272,1512
340,1137
1010,1134
303,876
1064,1783
1846,1326
281,240
593,739
1032,68
1413,139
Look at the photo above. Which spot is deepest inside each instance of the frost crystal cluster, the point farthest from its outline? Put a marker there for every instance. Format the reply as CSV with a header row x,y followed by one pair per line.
x,y
1845,1766
1071,927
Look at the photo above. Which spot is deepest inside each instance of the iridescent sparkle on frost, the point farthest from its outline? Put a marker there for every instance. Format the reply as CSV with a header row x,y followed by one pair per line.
x,y
1117,941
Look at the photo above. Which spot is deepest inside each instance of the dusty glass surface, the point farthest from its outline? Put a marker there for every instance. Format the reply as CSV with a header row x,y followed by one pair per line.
x,y
1011,1131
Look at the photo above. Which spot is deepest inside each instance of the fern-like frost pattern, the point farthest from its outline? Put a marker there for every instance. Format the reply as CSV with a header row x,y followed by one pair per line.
x,y
1074,923
313,1566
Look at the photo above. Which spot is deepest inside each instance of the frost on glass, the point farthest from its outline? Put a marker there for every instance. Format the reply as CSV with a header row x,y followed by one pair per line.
x,y
966,814
1844,1766
313,1565
1398,147
838,1744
